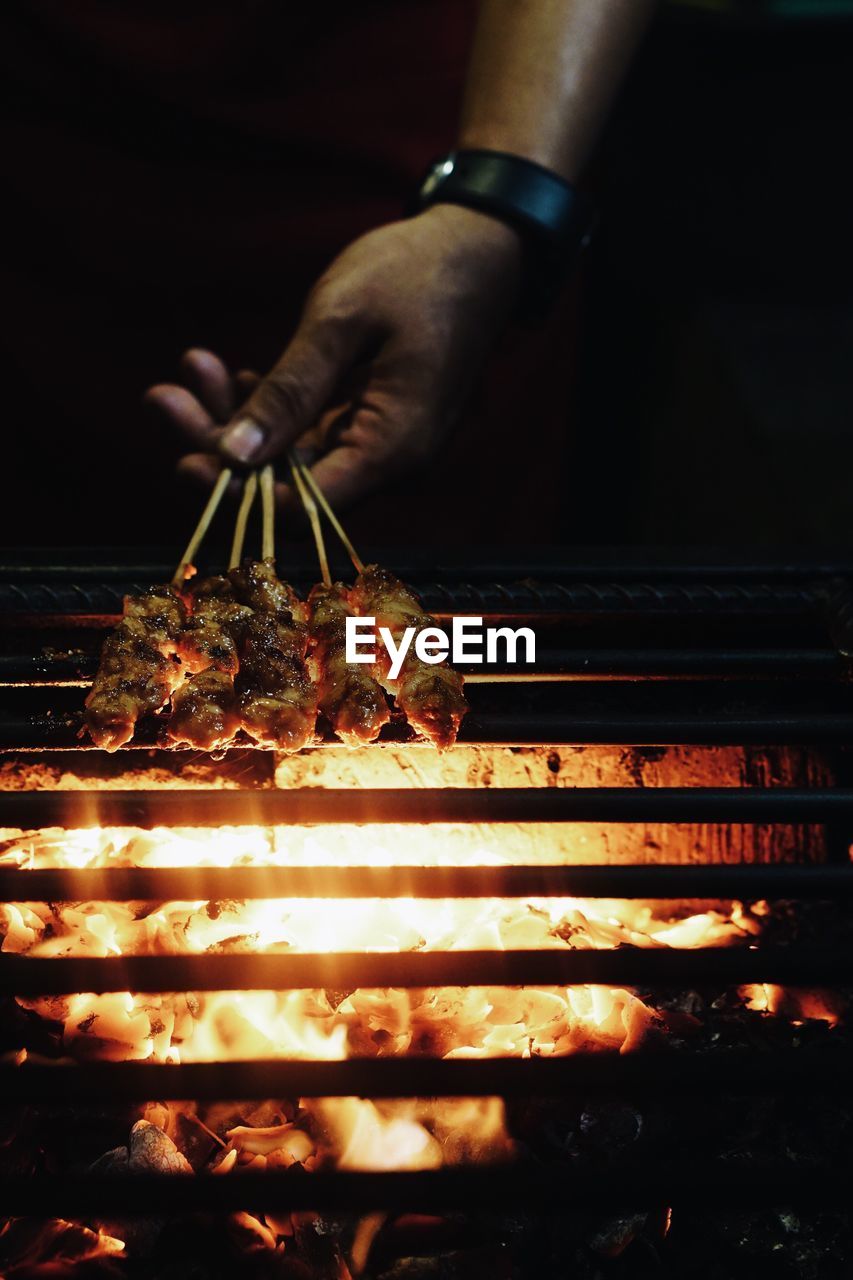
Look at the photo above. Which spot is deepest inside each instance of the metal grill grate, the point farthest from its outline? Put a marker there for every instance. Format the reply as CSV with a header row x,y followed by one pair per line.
x,y
708,655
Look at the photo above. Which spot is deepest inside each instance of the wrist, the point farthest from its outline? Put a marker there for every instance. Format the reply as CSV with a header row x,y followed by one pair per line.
x,y
481,236
549,217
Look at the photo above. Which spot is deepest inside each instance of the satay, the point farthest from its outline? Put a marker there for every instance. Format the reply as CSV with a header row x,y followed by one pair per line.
x,y
277,698
210,637
242,651
429,695
350,697
205,711
139,668
256,584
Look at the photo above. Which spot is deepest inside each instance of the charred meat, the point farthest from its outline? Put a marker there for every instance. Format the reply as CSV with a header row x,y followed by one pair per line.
x,y
430,696
205,712
210,637
350,697
139,667
277,698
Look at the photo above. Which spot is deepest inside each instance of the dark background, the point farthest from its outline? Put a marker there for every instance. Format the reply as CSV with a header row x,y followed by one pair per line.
x,y
174,181
717,394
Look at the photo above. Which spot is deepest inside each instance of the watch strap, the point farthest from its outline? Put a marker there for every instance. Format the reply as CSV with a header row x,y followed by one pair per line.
x,y
551,216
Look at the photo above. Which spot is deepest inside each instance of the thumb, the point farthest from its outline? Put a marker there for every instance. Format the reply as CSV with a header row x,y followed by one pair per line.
x,y
295,392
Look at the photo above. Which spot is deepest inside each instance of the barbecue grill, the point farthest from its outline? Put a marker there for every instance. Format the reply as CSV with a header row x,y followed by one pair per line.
x,y
634,655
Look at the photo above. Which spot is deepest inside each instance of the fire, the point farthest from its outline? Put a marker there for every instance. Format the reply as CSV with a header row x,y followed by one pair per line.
x,y
449,1022
470,1022
795,1005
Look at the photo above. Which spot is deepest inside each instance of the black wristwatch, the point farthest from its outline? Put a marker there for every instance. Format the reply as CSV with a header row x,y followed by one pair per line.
x,y
552,218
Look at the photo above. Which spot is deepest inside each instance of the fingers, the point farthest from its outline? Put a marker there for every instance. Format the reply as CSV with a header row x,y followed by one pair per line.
x,y
297,390
185,411
208,377
202,470
200,408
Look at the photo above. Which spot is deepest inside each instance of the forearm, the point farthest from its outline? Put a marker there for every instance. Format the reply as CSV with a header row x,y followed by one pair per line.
x,y
543,75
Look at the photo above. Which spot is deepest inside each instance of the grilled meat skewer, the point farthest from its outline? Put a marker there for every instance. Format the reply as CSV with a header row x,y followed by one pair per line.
x,y
205,713
139,668
244,646
257,585
429,695
211,635
277,698
350,698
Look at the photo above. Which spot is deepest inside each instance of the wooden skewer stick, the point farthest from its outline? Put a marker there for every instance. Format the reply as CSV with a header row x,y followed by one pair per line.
x,y
332,518
268,501
314,516
249,490
202,527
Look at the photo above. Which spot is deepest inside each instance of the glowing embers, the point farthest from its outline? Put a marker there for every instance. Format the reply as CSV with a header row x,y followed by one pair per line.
x,y
38,1250
796,1006
101,929
439,1021
449,1022
334,844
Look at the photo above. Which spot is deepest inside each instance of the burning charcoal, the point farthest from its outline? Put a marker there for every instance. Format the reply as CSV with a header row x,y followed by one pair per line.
x,y
161,1115
20,927
31,1243
222,1116
241,944
115,1161
293,1143
249,1234
319,1241
151,1151
613,1236
192,1140
223,1161
51,1008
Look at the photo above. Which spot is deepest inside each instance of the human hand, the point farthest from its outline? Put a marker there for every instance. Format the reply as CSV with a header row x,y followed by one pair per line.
x,y
390,341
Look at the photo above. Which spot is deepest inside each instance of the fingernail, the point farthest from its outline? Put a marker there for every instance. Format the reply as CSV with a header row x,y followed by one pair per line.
x,y
243,440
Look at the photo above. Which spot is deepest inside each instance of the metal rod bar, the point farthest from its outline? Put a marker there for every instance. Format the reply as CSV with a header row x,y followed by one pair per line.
x,y
727,1071
61,670
311,806
61,733
557,729
528,1185
625,966
124,884
62,594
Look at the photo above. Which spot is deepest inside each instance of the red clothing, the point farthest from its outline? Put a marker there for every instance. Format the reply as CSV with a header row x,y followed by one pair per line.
x,y
178,175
